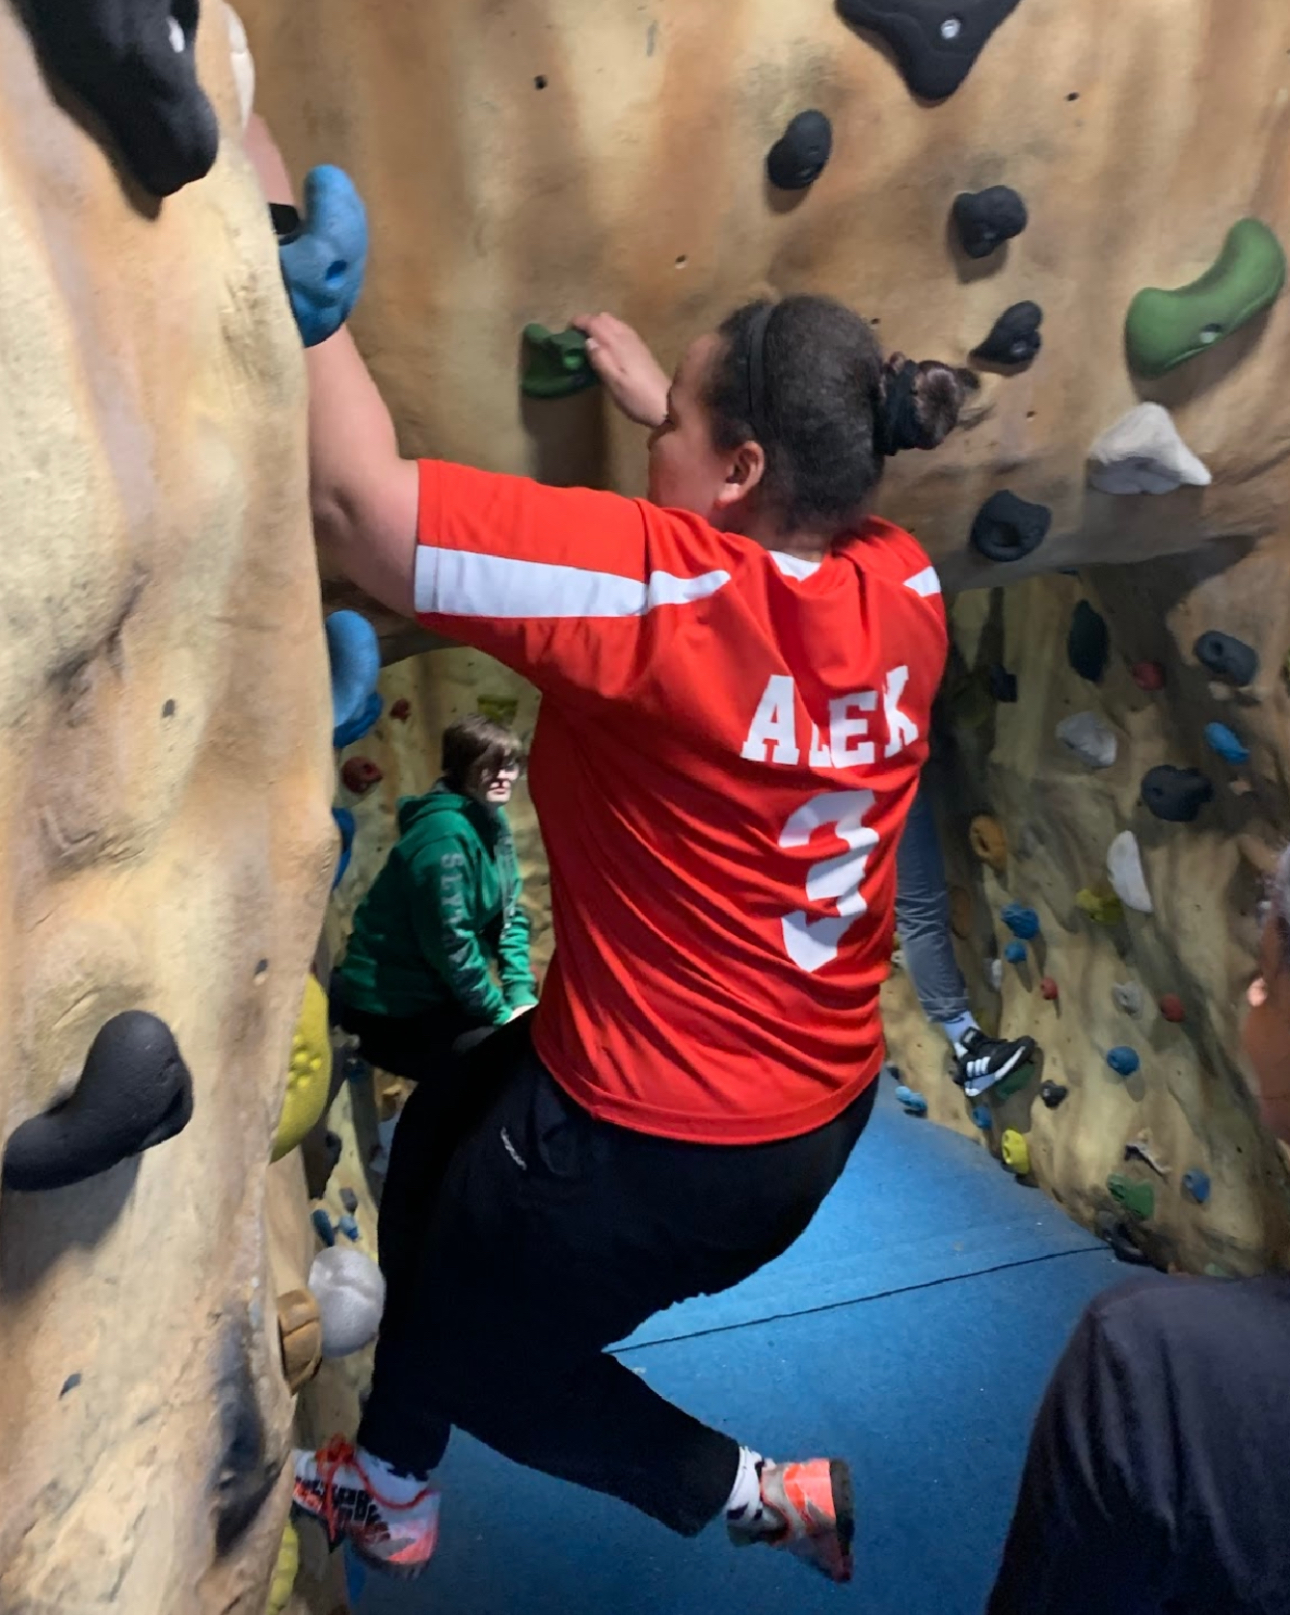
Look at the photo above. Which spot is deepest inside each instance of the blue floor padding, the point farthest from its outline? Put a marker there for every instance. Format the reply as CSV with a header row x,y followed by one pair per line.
x,y
911,1331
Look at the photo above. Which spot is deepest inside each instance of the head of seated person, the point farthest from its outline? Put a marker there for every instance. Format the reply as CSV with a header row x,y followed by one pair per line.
x,y
481,760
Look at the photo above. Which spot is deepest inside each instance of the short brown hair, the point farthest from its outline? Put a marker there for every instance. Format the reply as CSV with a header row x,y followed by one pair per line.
x,y
474,748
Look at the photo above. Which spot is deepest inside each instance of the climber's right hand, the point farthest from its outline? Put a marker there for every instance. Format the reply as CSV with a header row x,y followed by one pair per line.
x,y
634,378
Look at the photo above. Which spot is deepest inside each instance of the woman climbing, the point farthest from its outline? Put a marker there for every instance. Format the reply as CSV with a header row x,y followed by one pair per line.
x,y
418,970
736,677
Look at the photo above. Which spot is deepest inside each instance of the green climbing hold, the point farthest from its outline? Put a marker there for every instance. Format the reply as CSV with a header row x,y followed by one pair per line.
x,y
1015,1081
557,365
1135,1196
1166,328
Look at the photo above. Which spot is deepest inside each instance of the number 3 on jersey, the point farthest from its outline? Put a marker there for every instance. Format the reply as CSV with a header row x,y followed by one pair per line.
x,y
813,943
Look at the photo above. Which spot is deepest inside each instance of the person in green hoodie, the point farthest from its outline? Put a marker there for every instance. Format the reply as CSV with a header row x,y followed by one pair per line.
x,y
417,976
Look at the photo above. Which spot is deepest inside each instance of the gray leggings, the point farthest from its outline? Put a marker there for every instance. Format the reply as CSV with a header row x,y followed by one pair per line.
x,y
923,917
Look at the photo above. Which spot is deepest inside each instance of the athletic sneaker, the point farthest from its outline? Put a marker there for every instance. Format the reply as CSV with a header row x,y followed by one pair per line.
x,y
984,1061
807,1510
333,1487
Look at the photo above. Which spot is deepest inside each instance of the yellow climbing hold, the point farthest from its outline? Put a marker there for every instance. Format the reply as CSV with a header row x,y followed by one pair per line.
x,y
1016,1152
1103,907
284,1574
309,1077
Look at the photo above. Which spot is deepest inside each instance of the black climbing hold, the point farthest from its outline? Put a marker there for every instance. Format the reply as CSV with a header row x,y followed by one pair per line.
x,y
246,1473
1015,338
286,221
986,219
1006,528
1176,794
1003,685
936,42
1088,644
349,1199
1052,1094
70,1384
1229,659
132,62
1118,1237
135,1091
798,157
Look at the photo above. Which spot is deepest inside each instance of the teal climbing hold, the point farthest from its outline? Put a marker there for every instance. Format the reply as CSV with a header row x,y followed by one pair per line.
x,y
914,1103
982,1117
324,255
1166,328
1136,1197
1123,1060
557,365
1196,1184
1227,744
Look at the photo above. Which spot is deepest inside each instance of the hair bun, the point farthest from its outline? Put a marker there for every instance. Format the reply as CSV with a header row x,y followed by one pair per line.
x,y
920,403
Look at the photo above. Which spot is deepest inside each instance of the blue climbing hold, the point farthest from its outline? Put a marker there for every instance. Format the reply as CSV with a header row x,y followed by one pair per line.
x,y
355,656
1015,953
913,1102
1021,921
1123,1060
322,1226
348,1226
1229,745
324,259
345,824
356,1068
1196,1184
982,1117
357,727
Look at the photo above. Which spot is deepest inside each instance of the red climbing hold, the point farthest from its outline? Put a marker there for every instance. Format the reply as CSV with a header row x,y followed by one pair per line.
x,y
1148,675
401,709
1171,1007
359,774
1048,989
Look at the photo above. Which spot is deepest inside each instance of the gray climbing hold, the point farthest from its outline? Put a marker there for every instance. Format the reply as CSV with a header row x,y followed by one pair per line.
x,y
1144,453
1129,997
350,1293
995,974
1227,658
1124,866
1090,738
1142,1149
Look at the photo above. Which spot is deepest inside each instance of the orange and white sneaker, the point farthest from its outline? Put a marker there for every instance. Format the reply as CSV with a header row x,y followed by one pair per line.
x,y
396,1534
808,1510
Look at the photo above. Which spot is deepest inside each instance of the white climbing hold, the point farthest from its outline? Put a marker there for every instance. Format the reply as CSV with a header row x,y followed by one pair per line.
x,y
1124,866
243,62
1144,453
1128,997
350,1292
1089,738
996,974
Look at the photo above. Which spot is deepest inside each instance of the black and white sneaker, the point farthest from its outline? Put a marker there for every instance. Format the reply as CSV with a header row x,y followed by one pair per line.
x,y
984,1061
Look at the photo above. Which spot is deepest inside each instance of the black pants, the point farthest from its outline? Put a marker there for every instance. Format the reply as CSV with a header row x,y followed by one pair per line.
x,y
411,1046
1160,1462
515,1259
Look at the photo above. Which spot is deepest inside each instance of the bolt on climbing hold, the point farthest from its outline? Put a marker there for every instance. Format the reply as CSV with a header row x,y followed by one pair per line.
x,y
1091,739
799,156
994,974
308,1074
1228,659
350,1292
284,1573
1014,337
1227,744
365,721
1144,453
1102,907
1148,675
1016,1152
1123,1060
348,1226
324,257
1003,684
1142,1149
1129,997
1176,794
322,1222
1173,1009
243,63
989,842
1088,643
1048,990
935,42
1166,328
299,1337
986,219
360,774
914,1103
1007,528
1052,1094
983,1117
401,710
1196,1185
349,1199
345,823
1015,953
1021,921
557,364
1137,1198
1124,866
354,653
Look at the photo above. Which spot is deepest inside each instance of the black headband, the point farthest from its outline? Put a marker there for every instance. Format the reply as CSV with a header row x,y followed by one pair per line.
x,y
757,366
896,423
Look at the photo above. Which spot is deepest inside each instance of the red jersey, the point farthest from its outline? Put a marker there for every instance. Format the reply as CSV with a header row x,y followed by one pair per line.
x,y
728,744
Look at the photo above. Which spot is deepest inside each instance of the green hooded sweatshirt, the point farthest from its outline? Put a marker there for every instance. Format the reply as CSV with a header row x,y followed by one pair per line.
x,y
445,907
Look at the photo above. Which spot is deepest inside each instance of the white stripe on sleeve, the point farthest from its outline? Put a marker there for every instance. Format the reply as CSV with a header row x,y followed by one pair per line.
x,y
462,583
925,582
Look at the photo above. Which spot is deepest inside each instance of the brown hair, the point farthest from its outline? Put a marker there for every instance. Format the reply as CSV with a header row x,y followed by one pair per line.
x,y
806,379
474,748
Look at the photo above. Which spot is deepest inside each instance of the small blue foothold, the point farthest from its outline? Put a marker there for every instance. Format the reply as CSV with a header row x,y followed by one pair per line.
x,y
1123,1061
1227,743
982,1117
70,1384
345,824
322,1226
1021,921
913,1102
1196,1184
354,652
323,263
348,1226
1015,953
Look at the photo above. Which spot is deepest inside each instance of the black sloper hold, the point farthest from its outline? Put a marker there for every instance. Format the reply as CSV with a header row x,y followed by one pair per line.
x,y
135,1091
1176,794
1088,644
1014,337
248,1467
1227,658
1007,528
1052,1094
936,42
986,219
798,157
1003,684
132,62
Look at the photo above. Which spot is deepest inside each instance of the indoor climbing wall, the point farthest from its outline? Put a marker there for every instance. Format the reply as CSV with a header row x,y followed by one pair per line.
x,y
165,826
1085,201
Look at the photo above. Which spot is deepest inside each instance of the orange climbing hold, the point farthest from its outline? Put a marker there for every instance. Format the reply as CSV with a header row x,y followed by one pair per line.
x,y
1048,990
359,774
989,842
1172,1008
